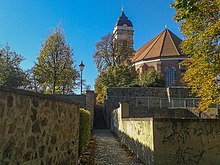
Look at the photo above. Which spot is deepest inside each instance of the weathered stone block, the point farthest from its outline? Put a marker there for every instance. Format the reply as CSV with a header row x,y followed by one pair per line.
x,y
44,122
10,101
31,142
35,102
34,114
36,127
53,139
41,151
11,128
2,109
27,156
8,149
4,162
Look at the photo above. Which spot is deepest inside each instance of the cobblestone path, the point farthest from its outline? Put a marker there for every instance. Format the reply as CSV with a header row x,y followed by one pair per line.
x,y
109,151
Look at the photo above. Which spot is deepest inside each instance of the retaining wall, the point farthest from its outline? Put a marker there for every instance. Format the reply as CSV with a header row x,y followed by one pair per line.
x,y
162,141
37,129
117,95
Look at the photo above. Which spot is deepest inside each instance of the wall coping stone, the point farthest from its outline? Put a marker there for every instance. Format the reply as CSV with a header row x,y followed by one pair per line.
x,y
179,87
169,119
137,119
185,119
137,88
36,94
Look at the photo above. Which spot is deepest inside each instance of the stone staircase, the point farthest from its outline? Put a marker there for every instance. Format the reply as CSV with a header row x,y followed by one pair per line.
x,y
99,121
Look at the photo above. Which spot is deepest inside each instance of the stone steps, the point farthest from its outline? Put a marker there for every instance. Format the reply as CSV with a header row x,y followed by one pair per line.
x,y
99,121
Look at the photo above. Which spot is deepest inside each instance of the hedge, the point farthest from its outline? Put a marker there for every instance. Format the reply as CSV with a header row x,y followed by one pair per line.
x,y
85,130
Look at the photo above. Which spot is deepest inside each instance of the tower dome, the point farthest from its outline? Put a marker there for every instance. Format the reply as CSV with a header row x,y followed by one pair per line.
x,y
123,20
123,28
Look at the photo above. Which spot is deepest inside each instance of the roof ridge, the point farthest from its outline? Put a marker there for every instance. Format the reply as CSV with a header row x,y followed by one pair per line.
x,y
173,43
155,42
143,47
163,42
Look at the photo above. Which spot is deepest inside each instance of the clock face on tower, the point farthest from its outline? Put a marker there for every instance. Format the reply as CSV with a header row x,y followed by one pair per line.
x,y
124,25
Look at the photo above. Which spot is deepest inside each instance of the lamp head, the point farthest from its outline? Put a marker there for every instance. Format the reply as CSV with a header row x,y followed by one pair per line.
x,y
81,66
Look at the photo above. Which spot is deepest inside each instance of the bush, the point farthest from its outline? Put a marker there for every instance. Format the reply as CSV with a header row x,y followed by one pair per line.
x,y
151,79
84,130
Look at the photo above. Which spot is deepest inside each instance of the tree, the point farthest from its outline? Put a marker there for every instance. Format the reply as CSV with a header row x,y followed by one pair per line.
x,y
55,70
31,82
11,74
112,52
116,76
200,25
100,87
151,79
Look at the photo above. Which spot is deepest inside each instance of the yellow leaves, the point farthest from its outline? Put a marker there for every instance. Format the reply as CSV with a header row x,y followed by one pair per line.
x,y
200,76
201,29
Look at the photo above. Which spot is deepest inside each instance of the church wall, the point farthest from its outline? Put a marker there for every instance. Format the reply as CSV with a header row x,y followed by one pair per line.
x,y
178,74
150,66
160,66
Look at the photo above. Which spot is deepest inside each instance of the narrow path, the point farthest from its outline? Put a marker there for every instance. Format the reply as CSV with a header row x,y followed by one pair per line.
x,y
99,121
109,151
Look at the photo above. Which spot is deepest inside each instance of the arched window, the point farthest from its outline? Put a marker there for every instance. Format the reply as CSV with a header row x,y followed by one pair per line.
x,y
170,76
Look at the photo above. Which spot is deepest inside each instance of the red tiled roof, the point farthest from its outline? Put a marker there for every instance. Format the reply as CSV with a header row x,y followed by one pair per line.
x,y
165,44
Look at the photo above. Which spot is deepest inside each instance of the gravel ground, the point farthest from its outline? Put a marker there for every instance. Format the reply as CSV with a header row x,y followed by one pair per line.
x,y
110,151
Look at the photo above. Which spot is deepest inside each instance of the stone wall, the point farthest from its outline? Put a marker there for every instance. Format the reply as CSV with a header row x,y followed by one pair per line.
x,y
163,141
179,92
37,129
131,96
87,101
151,102
79,98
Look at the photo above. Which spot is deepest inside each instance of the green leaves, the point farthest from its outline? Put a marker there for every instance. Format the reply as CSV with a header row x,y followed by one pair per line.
x,y
116,76
151,79
11,74
111,52
111,57
55,69
84,129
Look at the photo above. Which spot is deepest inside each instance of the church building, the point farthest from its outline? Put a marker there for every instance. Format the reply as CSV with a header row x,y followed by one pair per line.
x,y
162,53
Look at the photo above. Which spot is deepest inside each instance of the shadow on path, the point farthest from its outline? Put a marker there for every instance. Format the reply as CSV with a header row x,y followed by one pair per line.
x,y
110,151
99,121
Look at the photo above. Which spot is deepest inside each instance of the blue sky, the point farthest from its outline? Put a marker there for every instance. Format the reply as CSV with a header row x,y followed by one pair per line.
x,y
24,25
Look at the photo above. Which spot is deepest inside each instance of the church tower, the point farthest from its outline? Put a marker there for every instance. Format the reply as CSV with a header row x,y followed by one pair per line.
x,y
123,28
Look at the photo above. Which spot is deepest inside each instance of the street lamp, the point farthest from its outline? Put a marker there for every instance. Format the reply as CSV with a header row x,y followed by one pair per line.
x,y
81,67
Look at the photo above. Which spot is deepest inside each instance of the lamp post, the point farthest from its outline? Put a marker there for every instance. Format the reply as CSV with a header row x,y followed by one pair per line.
x,y
81,67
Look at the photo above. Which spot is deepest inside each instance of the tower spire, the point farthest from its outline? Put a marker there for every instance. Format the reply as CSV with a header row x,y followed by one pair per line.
x,y
122,9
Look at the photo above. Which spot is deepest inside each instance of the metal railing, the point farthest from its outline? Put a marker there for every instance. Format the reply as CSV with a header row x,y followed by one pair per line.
x,y
157,102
